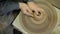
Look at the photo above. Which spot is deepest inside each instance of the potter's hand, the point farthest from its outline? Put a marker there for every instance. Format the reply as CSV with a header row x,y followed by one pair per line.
x,y
34,7
25,9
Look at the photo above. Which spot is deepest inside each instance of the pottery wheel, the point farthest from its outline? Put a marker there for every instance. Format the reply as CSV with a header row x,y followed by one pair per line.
x,y
45,24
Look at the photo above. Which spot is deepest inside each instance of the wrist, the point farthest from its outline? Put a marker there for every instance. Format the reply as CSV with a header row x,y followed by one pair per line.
x,y
21,4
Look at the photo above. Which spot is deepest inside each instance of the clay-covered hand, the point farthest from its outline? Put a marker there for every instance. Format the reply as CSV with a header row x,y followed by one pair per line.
x,y
25,9
34,7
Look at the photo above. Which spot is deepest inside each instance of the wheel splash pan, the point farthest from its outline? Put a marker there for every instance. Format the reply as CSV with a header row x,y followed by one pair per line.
x,y
44,25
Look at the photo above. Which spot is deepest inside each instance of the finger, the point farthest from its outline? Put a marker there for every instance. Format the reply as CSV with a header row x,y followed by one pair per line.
x,y
39,11
27,13
30,11
36,12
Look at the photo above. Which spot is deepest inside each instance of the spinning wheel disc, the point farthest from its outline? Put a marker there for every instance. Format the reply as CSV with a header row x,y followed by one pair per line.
x,y
45,24
55,3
